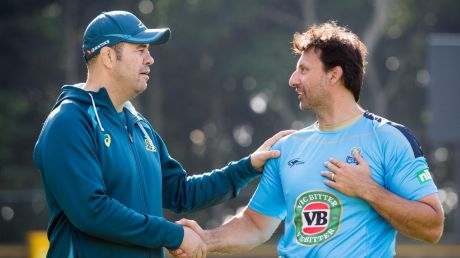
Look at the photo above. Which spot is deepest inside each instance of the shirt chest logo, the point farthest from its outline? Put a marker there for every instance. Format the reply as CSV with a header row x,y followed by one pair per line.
x,y
295,162
107,140
350,159
316,217
149,145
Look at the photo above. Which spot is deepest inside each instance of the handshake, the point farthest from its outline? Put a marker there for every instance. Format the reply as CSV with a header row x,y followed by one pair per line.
x,y
195,242
248,229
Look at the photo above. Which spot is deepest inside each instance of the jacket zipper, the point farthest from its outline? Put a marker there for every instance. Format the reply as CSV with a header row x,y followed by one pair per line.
x,y
139,172
141,179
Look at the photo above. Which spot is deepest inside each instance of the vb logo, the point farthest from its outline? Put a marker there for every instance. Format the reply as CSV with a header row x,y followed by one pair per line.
x,y
316,217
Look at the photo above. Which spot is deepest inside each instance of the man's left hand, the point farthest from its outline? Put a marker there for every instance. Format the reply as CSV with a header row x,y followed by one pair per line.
x,y
263,153
348,179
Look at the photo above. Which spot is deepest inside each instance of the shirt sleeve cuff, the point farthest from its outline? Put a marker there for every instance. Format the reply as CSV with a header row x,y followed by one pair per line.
x,y
243,172
247,170
174,236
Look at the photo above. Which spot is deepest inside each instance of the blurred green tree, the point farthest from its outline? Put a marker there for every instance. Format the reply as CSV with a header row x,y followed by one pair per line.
x,y
220,86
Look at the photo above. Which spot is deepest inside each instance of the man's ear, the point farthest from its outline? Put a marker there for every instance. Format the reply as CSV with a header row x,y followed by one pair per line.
x,y
108,57
336,74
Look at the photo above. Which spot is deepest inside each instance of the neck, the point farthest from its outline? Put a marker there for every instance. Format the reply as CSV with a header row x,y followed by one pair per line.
x,y
338,114
95,83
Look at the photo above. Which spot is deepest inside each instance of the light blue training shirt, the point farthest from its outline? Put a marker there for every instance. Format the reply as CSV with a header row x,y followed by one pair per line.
x,y
322,222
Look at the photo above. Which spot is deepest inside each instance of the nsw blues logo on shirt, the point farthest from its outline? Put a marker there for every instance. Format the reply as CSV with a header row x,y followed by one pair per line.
x,y
351,158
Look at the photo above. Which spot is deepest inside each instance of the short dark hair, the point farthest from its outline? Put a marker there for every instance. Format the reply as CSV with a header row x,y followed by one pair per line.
x,y
339,47
118,49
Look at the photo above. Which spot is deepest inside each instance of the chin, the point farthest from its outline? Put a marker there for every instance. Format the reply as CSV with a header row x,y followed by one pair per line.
x,y
142,88
136,92
303,107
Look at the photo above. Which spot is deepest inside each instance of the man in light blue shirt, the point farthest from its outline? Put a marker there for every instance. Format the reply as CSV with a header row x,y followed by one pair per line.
x,y
346,184
324,222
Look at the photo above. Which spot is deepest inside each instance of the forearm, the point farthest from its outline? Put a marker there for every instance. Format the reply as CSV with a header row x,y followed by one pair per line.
x,y
243,232
416,219
89,209
108,219
190,193
235,236
131,228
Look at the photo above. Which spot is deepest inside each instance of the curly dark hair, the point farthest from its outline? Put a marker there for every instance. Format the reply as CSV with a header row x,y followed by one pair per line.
x,y
339,47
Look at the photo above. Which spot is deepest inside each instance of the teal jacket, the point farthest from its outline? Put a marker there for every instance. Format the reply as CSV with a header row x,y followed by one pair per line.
x,y
107,182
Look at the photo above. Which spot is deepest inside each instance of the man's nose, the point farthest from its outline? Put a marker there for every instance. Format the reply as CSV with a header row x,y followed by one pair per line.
x,y
293,80
149,60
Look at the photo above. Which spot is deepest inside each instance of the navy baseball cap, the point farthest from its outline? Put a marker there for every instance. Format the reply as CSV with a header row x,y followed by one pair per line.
x,y
110,28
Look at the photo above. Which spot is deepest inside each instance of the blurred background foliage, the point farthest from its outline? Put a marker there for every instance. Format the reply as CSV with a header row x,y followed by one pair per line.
x,y
219,87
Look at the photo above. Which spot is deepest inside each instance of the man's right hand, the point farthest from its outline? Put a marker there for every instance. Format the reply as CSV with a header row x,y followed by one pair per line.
x,y
192,245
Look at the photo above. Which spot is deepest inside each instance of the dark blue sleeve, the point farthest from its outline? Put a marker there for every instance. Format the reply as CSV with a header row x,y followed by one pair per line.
x,y
183,193
67,157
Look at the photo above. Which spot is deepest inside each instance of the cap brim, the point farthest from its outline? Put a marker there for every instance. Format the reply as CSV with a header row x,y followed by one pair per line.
x,y
151,36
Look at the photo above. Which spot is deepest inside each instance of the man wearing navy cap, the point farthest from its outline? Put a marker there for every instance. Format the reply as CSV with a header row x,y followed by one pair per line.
x,y
107,174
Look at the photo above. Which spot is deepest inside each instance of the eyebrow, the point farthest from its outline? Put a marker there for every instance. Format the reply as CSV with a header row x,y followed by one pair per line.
x,y
142,46
302,66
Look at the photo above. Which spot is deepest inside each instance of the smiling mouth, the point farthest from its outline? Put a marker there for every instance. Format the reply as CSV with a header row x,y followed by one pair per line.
x,y
299,92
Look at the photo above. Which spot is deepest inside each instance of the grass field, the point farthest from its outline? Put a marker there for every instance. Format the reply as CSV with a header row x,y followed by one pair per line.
x,y
403,251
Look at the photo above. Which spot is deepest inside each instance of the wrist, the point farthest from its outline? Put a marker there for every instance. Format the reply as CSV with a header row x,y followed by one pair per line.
x,y
251,164
370,193
248,166
174,237
207,239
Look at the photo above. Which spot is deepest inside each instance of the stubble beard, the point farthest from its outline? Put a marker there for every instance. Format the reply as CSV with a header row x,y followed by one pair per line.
x,y
315,103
